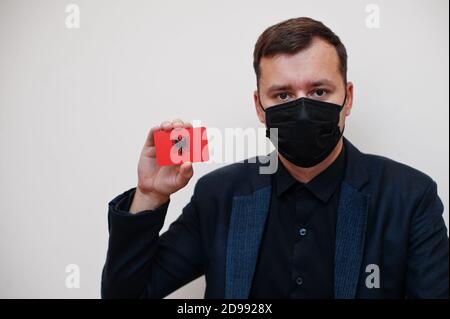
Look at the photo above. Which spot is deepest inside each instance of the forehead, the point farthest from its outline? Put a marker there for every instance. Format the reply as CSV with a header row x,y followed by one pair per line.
x,y
319,61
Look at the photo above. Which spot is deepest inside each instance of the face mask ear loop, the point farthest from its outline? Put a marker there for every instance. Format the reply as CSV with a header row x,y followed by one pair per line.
x,y
262,108
260,104
345,99
342,107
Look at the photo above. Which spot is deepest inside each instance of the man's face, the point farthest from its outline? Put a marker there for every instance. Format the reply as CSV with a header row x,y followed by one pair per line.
x,y
313,73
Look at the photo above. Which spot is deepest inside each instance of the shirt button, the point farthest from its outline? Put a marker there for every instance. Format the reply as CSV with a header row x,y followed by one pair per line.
x,y
302,231
299,281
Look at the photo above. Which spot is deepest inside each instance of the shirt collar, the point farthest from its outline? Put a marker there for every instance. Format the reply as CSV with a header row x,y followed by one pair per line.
x,y
322,186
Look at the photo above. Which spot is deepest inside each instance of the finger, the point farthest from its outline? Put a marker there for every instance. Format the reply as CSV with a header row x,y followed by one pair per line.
x,y
177,123
149,141
184,174
166,126
152,152
149,151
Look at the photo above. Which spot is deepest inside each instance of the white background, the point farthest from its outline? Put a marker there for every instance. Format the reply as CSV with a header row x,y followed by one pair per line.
x,y
75,106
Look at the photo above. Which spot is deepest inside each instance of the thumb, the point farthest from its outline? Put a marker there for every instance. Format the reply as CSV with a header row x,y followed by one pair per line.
x,y
184,174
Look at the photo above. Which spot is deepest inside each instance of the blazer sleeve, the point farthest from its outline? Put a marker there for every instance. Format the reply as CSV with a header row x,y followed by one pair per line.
x,y
142,264
427,268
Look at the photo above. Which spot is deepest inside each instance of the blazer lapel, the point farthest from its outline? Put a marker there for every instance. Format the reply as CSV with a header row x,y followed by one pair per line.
x,y
247,221
351,225
350,235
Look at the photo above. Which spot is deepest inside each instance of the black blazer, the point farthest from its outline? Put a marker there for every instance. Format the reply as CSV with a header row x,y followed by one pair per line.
x,y
389,221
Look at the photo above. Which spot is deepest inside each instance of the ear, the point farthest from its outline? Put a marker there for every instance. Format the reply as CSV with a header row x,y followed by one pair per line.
x,y
259,112
349,102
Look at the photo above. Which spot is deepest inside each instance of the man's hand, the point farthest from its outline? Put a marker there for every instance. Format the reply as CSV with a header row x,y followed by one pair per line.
x,y
156,183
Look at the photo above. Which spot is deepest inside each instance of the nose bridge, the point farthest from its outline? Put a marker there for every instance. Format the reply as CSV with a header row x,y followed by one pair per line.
x,y
300,92
302,113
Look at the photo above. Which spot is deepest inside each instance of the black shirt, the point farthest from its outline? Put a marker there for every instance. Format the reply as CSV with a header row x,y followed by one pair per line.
x,y
296,258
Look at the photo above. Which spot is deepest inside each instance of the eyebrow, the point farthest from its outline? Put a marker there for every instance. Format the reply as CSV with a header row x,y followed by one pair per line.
x,y
279,87
322,82
288,87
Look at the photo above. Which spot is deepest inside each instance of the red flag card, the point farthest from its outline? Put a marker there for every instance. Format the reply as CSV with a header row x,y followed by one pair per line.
x,y
181,145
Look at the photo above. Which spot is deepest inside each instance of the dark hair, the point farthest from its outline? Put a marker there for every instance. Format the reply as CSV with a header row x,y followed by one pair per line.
x,y
292,36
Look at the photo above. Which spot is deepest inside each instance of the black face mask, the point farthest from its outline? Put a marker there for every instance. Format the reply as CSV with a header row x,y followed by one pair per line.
x,y
308,130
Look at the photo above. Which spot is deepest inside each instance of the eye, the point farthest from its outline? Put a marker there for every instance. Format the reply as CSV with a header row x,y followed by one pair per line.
x,y
319,93
283,96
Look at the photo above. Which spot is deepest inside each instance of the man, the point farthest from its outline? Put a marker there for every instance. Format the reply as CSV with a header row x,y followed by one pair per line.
x,y
331,222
